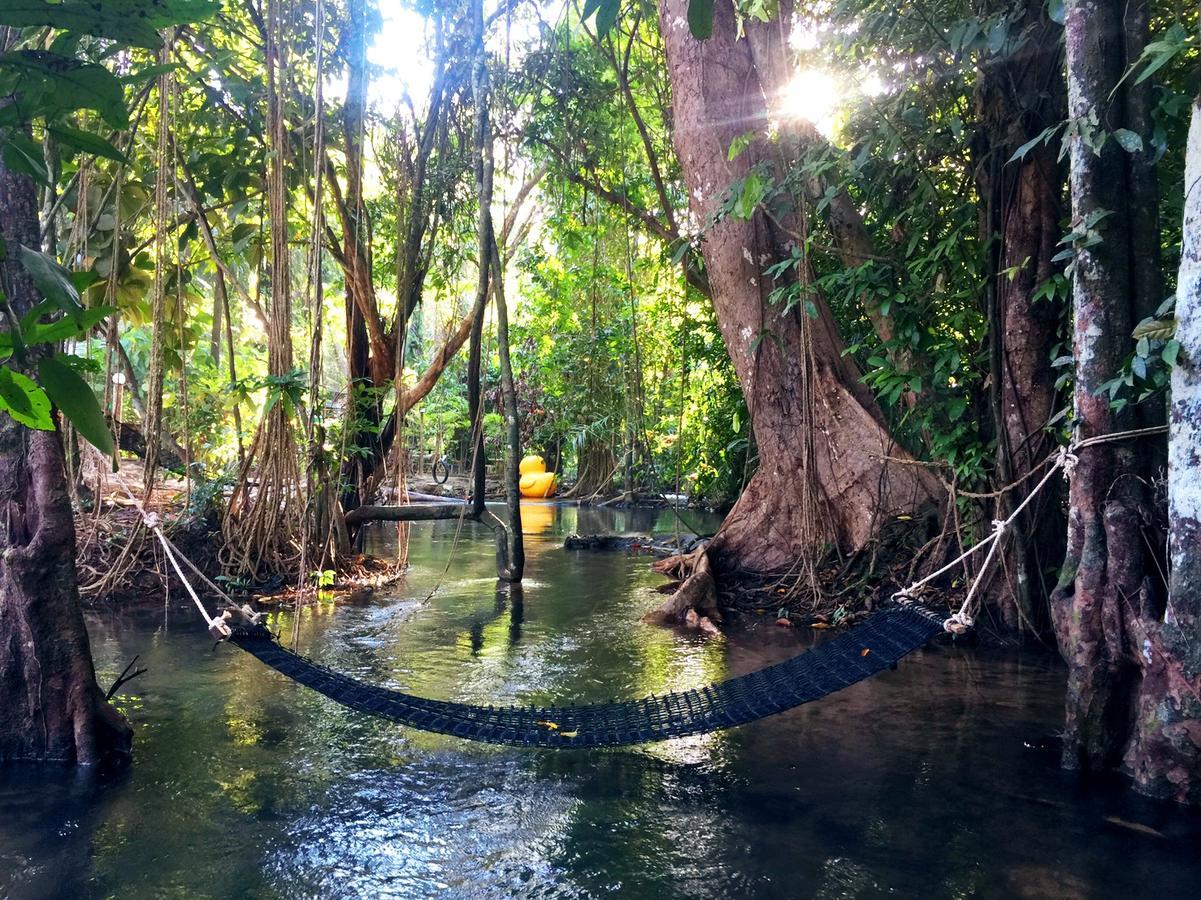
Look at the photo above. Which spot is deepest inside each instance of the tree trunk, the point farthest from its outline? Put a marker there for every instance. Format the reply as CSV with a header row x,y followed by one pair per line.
x,y
514,542
263,523
719,88
1105,596
1019,94
50,705
509,546
1165,756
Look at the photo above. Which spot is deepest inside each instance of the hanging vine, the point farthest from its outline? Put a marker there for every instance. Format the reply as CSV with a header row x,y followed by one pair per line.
x,y
154,381
262,523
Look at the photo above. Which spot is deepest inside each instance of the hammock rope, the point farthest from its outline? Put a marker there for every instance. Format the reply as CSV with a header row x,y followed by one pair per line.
x,y
874,645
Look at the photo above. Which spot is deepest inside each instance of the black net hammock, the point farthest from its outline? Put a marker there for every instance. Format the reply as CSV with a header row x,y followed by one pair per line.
x,y
872,646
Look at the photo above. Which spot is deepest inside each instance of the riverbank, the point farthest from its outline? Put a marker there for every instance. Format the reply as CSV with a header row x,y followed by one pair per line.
x,y
120,564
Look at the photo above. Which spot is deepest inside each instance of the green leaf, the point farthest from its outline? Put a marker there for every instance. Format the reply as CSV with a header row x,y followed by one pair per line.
x,y
22,155
87,142
1170,351
84,279
242,231
129,22
141,76
24,400
700,18
1042,137
606,16
70,84
1128,140
740,143
1158,54
85,18
72,395
750,194
66,327
52,280
1156,329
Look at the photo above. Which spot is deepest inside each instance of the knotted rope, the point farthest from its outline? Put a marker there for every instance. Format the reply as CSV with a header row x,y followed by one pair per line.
x,y
218,626
1065,458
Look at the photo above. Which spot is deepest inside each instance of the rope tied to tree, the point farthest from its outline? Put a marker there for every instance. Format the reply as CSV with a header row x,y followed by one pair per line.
x,y
1068,460
1064,458
218,626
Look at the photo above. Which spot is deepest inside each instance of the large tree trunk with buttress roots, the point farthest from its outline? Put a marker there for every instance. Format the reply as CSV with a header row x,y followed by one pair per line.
x,y
51,708
721,89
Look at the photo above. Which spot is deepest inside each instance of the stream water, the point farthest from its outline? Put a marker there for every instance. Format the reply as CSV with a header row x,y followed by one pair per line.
x,y
930,780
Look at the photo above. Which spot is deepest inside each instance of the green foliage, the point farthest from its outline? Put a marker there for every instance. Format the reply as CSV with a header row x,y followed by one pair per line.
x,y
24,400
700,18
1147,372
75,400
132,22
46,85
612,351
287,390
1157,54
86,142
52,280
50,84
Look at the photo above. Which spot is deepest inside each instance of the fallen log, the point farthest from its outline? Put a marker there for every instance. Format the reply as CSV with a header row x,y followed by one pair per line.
x,y
435,498
131,440
414,512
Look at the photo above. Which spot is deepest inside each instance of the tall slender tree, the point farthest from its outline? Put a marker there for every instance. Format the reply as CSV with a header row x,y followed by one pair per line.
x,y
1109,592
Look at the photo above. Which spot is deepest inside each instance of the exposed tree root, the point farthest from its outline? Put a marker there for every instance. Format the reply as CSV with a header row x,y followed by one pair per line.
x,y
695,601
840,590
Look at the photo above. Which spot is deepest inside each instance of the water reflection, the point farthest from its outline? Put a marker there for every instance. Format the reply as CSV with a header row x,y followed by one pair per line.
x,y
914,783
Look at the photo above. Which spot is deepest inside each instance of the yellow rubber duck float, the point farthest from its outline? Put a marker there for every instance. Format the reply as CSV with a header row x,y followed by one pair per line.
x,y
535,480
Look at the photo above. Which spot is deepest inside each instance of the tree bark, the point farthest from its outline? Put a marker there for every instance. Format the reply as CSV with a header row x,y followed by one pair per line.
x,y
514,542
721,88
50,705
1106,594
1018,95
1164,757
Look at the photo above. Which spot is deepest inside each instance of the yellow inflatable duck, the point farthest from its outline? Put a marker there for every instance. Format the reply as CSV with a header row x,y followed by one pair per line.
x,y
535,480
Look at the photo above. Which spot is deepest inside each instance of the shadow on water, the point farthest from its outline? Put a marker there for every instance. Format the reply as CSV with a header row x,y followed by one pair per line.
x,y
917,782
